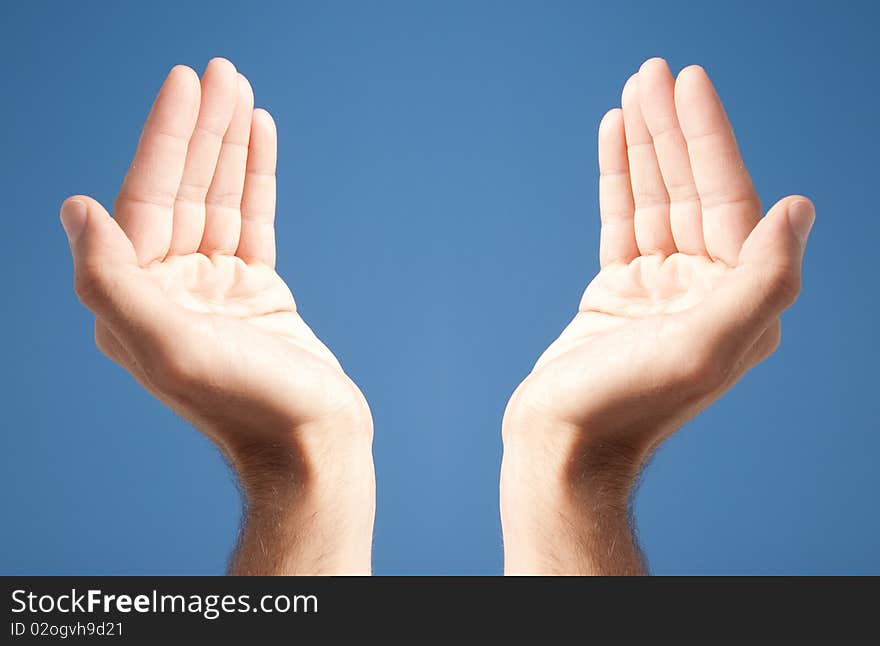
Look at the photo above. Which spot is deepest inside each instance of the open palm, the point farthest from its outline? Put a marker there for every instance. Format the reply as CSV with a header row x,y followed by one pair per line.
x,y
692,279
182,279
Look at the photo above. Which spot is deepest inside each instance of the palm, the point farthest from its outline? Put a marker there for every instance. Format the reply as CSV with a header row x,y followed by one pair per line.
x,y
225,288
223,285
226,291
684,267
650,286
208,320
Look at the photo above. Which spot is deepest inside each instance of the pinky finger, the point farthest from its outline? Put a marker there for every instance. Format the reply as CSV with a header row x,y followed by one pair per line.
x,y
257,242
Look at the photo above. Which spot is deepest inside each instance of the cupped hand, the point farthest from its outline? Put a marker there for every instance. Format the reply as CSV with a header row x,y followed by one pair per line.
x,y
182,279
183,286
692,278
688,298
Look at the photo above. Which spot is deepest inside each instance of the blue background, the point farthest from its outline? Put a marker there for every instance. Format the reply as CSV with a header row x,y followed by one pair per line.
x,y
437,223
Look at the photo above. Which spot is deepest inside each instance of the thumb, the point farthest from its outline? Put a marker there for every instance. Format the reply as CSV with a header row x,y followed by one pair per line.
x,y
110,282
103,256
766,280
94,236
780,238
771,258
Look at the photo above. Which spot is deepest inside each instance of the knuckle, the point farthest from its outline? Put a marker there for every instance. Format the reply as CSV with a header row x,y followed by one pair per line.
x,y
769,342
223,200
191,192
91,284
775,340
783,284
102,340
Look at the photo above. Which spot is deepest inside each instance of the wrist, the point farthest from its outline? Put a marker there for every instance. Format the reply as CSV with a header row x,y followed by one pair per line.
x,y
565,500
315,457
309,502
583,455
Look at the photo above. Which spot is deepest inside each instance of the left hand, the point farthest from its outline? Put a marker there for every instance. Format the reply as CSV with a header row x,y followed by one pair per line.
x,y
688,298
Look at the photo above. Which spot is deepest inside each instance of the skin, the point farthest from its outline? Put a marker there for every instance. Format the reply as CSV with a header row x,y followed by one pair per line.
x,y
688,298
183,286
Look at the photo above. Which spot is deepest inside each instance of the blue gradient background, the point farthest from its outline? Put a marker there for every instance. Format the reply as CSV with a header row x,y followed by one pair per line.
x,y
437,223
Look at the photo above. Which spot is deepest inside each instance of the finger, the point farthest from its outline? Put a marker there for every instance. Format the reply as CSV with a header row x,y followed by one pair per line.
x,y
653,232
109,280
145,205
114,349
219,96
729,202
657,102
110,346
766,344
618,238
257,242
765,282
223,201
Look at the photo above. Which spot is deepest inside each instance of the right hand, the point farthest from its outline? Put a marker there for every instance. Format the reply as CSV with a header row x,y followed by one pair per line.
x,y
185,294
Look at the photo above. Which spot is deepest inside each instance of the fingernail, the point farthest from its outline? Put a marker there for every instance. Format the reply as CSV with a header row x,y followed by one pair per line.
x,y
73,218
801,215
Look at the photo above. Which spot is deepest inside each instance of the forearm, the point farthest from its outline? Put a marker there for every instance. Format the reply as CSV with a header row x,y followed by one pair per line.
x,y
565,506
306,510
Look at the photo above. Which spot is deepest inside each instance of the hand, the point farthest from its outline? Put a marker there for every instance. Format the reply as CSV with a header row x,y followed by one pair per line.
x,y
186,298
688,299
